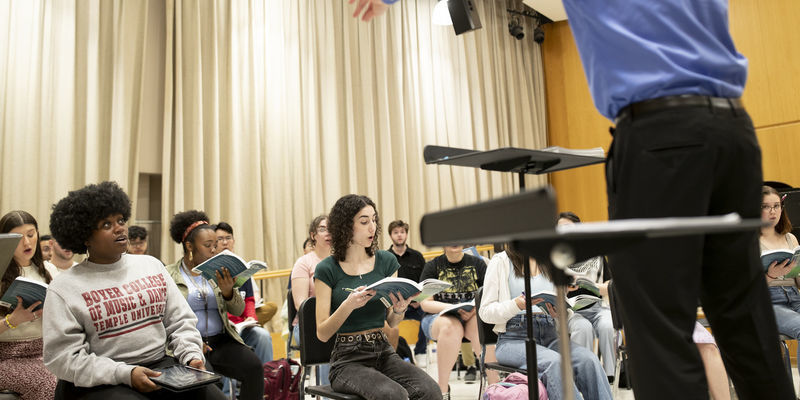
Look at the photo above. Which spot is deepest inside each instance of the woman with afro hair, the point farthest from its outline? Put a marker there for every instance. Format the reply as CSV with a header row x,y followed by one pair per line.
x,y
225,349
362,361
21,367
114,317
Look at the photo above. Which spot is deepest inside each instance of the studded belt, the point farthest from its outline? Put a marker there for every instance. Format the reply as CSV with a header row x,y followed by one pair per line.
x,y
377,336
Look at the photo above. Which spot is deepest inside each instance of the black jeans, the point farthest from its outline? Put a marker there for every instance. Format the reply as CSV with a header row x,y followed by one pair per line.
x,y
372,370
68,391
692,161
231,358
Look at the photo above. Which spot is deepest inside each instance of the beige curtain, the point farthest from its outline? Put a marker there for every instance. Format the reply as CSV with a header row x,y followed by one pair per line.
x,y
270,110
71,104
274,109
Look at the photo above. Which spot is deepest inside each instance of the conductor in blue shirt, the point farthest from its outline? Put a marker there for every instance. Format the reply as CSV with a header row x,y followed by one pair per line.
x,y
668,75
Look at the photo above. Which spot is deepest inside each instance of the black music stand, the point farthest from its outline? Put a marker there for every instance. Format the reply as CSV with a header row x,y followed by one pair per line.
x,y
526,220
522,161
510,159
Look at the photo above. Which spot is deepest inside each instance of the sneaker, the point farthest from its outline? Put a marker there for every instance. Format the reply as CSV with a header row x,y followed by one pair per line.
x,y
471,375
446,396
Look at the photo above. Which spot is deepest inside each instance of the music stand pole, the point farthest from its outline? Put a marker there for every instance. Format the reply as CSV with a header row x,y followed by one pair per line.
x,y
530,343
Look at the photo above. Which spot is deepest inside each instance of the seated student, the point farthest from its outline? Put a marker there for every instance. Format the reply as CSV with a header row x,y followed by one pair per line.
x,y
112,318
778,235
302,279
137,240
465,272
255,336
594,320
308,246
362,362
47,247
411,264
62,258
225,350
21,367
500,305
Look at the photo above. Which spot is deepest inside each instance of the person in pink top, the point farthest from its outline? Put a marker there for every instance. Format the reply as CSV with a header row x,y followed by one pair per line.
x,y
302,279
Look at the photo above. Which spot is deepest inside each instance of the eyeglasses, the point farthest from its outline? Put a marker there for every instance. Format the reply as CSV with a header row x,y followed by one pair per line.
x,y
774,207
137,243
322,229
225,238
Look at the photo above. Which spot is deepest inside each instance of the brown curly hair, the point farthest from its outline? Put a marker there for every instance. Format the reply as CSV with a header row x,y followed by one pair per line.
x,y
340,224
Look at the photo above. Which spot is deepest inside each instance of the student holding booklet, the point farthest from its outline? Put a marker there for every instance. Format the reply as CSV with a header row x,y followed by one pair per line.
x,y
782,289
591,318
503,306
465,273
362,361
21,367
211,300
115,319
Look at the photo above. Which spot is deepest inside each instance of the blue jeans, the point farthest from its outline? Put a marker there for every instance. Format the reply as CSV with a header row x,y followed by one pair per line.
x,y
786,304
324,369
591,321
372,370
590,379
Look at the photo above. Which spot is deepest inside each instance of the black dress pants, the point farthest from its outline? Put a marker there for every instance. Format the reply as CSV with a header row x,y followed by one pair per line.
x,y
692,161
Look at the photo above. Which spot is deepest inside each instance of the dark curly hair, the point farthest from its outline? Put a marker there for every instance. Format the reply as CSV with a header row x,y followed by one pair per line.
x,y
340,224
137,232
10,221
75,217
183,220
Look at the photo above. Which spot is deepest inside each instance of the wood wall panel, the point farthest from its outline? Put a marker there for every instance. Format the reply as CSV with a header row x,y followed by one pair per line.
x,y
573,122
780,147
766,32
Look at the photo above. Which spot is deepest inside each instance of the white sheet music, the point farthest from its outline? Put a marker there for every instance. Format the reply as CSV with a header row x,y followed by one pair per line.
x,y
637,224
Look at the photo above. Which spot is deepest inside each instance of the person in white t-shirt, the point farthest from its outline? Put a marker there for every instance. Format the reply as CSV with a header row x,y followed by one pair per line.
x,y
21,367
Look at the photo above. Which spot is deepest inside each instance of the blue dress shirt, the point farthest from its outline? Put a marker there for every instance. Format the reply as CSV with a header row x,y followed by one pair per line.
x,y
635,50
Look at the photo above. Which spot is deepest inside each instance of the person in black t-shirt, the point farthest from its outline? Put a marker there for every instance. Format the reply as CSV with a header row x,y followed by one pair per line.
x,y
411,263
465,273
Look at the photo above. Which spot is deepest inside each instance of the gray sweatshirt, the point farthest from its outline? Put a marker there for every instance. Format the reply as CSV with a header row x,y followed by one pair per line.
x,y
102,320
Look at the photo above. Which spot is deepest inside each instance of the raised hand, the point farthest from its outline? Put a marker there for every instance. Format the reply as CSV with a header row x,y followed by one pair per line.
x,y
225,283
371,8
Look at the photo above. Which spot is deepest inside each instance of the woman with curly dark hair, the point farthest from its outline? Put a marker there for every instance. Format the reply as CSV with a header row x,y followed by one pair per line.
x,y
111,318
21,367
362,361
225,349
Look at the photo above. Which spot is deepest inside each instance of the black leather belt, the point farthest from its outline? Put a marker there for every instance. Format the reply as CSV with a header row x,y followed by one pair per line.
x,y
361,337
684,100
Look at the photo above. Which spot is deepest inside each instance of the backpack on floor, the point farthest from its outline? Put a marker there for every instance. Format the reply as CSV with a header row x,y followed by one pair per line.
x,y
281,379
514,387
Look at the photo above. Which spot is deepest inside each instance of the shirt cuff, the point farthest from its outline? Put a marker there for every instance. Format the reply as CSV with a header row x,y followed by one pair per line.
x,y
123,373
191,356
